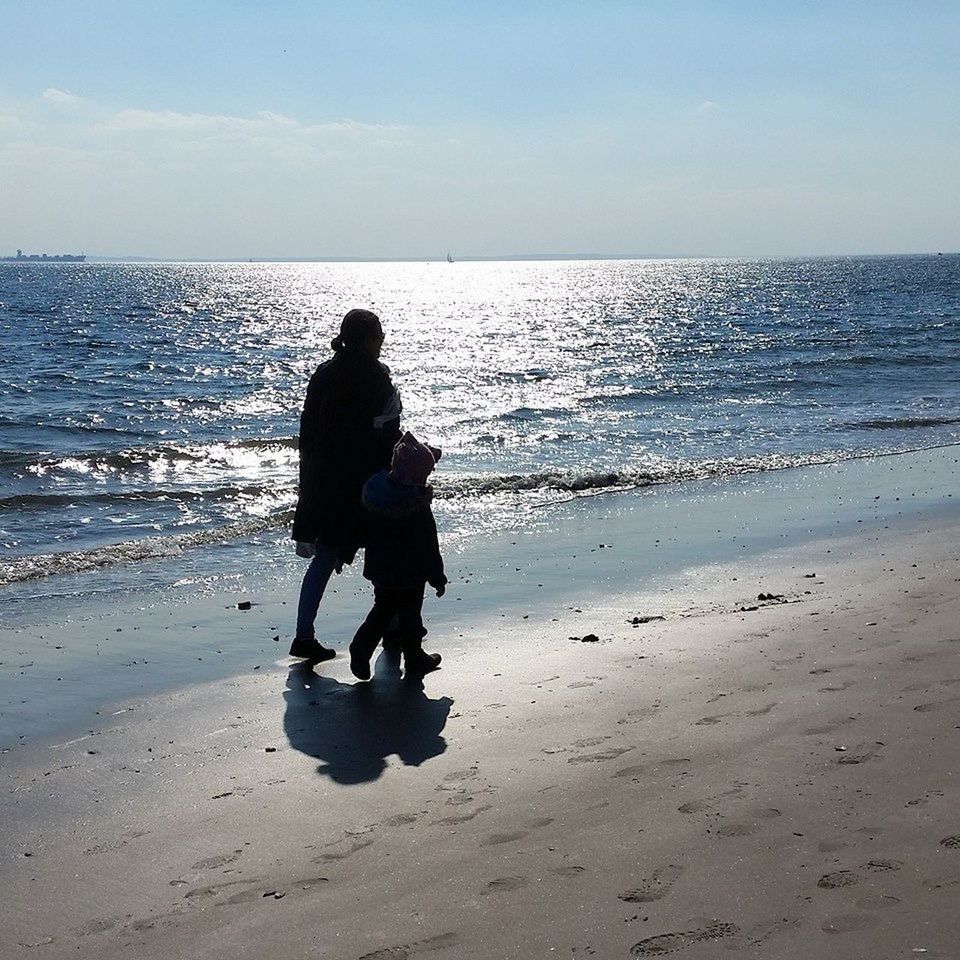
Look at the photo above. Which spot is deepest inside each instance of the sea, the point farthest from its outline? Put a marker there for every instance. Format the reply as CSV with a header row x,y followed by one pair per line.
x,y
149,411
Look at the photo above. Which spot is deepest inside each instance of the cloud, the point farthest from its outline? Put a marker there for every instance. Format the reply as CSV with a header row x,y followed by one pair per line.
x,y
55,95
260,124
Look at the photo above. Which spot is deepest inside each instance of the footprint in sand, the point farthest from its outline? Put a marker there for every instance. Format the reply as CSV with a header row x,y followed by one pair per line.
x,y
840,878
709,721
389,953
861,755
574,870
648,711
831,846
632,772
761,711
354,846
882,866
747,828
925,799
846,685
827,727
458,775
143,924
941,882
610,754
257,894
401,819
928,707
245,896
694,806
878,902
656,887
464,818
848,923
951,843
539,822
671,942
504,885
98,925
512,835
405,951
204,893
221,860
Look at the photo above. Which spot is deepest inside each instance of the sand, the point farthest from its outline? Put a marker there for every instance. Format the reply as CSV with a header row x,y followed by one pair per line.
x,y
773,777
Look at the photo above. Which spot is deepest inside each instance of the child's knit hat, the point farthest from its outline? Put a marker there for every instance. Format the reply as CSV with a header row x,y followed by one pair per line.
x,y
412,461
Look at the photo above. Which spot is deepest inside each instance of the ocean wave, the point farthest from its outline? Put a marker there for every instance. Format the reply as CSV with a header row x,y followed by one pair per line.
x,y
40,501
35,567
451,486
554,486
132,458
900,423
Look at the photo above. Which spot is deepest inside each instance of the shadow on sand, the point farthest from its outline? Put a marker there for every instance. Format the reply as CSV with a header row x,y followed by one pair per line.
x,y
354,727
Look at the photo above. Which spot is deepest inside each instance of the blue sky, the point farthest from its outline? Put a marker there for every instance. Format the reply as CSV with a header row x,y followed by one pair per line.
x,y
401,129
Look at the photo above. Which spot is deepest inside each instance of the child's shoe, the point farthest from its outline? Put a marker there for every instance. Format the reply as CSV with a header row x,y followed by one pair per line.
x,y
421,662
309,649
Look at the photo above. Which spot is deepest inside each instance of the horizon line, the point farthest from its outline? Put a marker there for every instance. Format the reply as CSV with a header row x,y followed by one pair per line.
x,y
515,257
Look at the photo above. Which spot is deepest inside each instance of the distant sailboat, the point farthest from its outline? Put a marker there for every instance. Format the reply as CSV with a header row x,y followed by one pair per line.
x,y
449,258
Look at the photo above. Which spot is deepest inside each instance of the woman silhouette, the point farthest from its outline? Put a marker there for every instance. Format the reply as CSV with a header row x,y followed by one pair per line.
x,y
348,428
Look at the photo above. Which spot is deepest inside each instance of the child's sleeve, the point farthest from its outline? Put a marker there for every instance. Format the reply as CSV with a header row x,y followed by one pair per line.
x,y
434,560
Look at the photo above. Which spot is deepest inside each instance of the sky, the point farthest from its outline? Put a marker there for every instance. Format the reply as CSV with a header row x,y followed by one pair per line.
x,y
393,129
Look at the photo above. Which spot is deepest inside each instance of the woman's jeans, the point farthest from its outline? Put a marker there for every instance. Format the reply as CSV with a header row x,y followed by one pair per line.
x,y
311,591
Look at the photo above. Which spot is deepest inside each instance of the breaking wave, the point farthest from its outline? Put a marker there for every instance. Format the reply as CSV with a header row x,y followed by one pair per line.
x,y
38,566
902,423
131,459
551,485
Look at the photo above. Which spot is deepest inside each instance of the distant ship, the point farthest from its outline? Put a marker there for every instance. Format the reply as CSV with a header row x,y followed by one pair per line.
x,y
22,257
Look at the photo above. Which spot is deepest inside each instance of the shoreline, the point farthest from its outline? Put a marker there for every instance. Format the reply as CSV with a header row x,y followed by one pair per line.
x,y
773,777
557,487
97,652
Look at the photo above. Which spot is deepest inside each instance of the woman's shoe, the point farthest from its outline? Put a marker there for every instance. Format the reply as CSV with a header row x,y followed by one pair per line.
x,y
309,649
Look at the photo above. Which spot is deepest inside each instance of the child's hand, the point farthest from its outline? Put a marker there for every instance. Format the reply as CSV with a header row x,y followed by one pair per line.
x,y
440,586
441,589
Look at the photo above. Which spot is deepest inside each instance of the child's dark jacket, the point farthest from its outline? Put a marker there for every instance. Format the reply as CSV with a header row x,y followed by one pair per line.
x,y
402,549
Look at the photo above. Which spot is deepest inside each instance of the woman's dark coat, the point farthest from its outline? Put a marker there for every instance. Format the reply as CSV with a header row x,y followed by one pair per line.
x,y
344,439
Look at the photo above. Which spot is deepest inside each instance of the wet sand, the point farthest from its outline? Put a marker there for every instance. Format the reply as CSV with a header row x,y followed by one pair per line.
x,y
774,777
